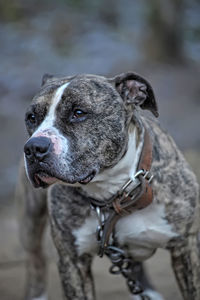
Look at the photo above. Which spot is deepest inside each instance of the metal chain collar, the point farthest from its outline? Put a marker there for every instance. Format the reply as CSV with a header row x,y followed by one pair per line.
x,y
122,263
132,185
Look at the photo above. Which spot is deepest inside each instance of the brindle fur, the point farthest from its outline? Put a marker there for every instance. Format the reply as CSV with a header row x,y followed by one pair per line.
x,y
174,185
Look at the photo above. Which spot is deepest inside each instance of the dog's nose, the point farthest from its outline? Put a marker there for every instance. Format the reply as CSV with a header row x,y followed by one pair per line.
x,y
37,148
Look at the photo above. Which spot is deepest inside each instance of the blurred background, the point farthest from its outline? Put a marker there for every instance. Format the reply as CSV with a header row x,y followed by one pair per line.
x,y
160,39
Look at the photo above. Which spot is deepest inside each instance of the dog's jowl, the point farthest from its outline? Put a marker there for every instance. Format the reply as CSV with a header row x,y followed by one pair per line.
x,y
113,183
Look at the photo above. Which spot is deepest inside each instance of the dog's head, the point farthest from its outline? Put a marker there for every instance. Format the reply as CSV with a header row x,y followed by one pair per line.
x,y
78,126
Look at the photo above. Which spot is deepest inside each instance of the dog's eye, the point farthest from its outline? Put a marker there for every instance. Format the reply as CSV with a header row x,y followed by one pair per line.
x,y
31,118
77,114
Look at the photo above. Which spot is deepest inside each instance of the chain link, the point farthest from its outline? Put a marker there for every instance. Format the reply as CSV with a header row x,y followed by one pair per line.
x,y
124,265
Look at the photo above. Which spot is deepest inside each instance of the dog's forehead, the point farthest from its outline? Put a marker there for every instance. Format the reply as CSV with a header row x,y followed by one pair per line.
x,y
80,86
89,88
88,82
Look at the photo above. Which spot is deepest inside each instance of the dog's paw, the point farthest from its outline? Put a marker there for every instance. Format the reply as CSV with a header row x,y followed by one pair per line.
x,y
151,295
42,297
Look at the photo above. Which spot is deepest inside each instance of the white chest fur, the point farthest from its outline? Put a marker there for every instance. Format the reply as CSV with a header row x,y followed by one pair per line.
x,y
142,231
145,230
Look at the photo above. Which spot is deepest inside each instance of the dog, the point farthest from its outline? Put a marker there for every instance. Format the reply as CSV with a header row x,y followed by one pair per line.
x,y
86,139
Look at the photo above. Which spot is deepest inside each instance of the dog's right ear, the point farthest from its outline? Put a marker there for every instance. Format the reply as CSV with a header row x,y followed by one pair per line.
x,y
46,78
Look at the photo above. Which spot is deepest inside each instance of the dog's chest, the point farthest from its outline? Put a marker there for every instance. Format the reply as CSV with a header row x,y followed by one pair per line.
x,y
142,231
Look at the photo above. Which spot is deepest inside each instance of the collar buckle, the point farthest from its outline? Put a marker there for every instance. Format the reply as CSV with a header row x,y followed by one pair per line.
x,y
146,175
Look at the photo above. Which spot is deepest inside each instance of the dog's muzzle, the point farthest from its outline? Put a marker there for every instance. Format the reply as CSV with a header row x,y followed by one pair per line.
x,y
41,164
37,151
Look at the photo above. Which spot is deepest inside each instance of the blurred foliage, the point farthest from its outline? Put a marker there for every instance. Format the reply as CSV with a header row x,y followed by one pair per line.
x,y
19,10
11,10
106,10
166,25
165,22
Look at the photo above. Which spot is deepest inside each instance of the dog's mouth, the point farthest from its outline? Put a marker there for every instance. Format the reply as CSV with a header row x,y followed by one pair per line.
x,y
87,179
43,179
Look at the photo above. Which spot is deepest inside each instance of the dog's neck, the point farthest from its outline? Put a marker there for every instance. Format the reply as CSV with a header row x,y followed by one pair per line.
x,y
108,182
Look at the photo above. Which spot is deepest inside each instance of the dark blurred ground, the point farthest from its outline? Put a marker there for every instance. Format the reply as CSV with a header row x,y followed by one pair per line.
x,y
68,38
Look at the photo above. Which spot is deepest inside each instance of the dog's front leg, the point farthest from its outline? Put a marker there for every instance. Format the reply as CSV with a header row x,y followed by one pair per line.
x,y
75,271
76,277
66,214
186,264
32,223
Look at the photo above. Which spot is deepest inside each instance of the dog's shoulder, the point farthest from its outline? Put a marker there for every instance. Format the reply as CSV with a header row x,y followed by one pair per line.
x,y
166,153
174,183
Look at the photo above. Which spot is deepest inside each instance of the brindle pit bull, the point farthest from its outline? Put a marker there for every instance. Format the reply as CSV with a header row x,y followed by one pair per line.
x,y
85,140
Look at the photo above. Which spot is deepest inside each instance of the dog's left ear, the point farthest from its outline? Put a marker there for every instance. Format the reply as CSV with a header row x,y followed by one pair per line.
x,y
136,90
46,78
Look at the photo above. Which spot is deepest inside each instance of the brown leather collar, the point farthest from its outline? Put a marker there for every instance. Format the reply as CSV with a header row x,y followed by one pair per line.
x,y
135,194
127,204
